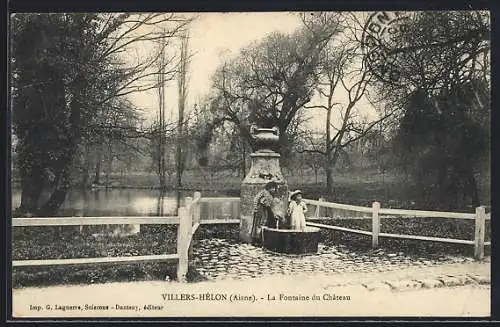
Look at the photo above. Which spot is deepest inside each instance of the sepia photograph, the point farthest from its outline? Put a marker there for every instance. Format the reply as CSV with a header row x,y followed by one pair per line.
x,y
250,164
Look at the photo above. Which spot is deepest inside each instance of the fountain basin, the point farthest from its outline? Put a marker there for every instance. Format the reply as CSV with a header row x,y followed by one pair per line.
x,y
291,241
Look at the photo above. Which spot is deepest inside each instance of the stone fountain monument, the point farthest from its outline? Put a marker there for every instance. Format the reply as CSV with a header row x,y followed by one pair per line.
x,y
265,167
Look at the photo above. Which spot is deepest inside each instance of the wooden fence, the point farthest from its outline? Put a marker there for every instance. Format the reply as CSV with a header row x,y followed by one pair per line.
x,y
197,211
188,220
375,213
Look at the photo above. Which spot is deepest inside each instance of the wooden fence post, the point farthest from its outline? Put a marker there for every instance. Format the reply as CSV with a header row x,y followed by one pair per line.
x,y
188,202
479,233
196,208
183,235
375,224
195,213
318,207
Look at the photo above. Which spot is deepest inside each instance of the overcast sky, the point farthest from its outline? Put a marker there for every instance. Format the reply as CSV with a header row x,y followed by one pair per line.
x,y
213,36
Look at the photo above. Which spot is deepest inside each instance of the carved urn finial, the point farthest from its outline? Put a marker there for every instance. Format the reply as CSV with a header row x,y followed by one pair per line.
x,y
265,139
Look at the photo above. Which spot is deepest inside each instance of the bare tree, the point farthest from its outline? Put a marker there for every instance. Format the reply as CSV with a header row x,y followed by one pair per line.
x,y
182,82
271,80
161,168
343,71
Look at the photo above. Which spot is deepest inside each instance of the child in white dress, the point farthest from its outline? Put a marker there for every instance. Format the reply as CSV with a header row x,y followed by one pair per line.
x,y
296,211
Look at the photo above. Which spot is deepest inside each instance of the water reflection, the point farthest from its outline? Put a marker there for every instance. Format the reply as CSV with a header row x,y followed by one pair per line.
x,y
134,202
118,202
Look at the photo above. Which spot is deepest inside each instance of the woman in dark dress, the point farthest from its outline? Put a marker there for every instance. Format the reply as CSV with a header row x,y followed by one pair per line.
x,y
262,211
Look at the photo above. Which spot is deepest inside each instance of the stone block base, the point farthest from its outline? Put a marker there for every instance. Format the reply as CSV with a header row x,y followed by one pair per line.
x,y
246,228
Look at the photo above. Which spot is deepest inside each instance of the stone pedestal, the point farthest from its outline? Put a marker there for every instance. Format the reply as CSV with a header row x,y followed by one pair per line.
x,y
265,167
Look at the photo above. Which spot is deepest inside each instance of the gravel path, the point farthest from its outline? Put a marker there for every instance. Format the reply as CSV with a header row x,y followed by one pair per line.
x,y
373,283
221,259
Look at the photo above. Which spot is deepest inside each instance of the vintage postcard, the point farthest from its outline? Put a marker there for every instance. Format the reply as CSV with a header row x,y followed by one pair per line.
x,y
251,164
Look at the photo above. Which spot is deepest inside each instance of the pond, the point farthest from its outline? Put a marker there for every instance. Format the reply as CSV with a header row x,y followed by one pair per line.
x,y
120,202
134,202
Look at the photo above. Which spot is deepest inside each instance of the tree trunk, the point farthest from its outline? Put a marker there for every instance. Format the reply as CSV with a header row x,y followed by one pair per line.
x,y
161,170
58,196
472,191
440,189
328,153
470,185
109,163
179,164
85,177
159,204
330,162
97,172
86,167
31,190
177,201
182,88
329,178
243,159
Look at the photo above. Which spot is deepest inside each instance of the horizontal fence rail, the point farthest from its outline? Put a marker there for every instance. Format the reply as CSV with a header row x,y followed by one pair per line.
x,y
80,261
427,238
343,229
487,217
338,206
219,221
86,221
392,213
427,214
378,213
219,199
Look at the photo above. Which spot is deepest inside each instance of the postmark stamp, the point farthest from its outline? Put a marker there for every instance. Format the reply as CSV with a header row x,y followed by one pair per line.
x,y
378,44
